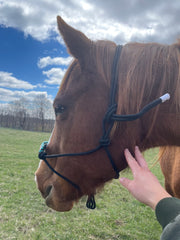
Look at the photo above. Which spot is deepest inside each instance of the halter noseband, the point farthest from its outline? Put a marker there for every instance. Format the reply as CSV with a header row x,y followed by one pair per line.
x,y
107,124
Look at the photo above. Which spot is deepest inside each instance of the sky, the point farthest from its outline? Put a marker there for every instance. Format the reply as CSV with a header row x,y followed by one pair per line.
x,y
33,57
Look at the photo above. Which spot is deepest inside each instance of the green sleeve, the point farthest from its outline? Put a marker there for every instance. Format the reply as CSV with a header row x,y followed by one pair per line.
x,y
168,215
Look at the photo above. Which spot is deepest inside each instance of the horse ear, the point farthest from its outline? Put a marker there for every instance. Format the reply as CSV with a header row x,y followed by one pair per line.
x,y
77,43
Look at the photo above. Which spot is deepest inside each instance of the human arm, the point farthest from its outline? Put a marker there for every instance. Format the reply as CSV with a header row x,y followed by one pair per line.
x,y
146,188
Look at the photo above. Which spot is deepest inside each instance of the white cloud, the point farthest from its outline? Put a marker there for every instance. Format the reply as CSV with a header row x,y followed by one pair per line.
x,y
32,17
117,20
8,80
46,61
7,95
55,75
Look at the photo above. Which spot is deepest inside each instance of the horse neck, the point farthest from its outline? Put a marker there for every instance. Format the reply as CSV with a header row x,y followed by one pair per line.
x,y
161,128
156,128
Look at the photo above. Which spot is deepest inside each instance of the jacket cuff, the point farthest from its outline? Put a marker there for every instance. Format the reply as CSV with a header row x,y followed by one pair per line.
x,y
166,210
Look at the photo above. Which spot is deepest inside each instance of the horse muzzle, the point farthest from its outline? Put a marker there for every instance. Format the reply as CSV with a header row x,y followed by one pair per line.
x,y
54,202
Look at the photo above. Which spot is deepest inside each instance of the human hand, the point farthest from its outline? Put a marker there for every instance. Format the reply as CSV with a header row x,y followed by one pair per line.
x,y
145,187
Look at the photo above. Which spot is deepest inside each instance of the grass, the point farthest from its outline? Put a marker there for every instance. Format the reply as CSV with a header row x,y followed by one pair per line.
x,y
23,214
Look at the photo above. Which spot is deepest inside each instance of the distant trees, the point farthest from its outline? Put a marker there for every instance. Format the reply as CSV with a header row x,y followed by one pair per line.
x,y
35,115
19,112
42,109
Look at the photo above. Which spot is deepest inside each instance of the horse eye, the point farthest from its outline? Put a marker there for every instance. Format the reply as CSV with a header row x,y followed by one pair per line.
x,y
59,110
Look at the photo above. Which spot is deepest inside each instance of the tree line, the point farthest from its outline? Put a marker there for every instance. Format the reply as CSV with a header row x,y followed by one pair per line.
x,y
34,115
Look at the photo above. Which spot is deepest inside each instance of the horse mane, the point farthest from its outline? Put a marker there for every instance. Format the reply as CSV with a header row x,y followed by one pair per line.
x,y
147,71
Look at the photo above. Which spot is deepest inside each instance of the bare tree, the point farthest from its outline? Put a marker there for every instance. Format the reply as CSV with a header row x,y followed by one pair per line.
x,y
42,107
20,111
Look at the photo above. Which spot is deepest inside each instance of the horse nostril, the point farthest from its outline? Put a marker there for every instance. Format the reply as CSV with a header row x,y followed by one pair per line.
x,y
47,191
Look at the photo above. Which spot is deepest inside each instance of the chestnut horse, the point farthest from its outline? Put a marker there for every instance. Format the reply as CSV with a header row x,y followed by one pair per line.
x,y
145,72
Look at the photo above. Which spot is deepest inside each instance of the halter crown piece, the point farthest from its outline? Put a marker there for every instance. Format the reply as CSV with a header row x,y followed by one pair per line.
x,y
107,124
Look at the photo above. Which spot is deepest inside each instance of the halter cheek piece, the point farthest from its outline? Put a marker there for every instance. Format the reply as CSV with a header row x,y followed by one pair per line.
x,y
107,124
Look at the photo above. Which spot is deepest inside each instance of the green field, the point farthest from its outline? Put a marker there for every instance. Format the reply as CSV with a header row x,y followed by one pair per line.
x,y
23,214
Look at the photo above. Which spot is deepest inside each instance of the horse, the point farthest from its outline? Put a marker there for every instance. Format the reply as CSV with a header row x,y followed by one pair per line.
x,y
144,71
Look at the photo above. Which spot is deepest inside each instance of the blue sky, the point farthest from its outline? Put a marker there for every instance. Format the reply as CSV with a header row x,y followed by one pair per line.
x,y
20,59
33,58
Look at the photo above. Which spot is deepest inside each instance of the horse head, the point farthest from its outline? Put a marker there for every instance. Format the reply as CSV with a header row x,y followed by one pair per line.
x,y
80,106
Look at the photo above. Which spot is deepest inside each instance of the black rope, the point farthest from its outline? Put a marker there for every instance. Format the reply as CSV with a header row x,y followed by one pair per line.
x,y
108,122
132,117
74,154
114,76
112,162
91,202
60,175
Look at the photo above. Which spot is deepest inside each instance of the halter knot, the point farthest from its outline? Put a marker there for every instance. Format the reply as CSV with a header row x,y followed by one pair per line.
x,y
104,142
42,155
111,110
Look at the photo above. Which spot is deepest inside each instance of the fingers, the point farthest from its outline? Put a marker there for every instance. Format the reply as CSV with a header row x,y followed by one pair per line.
x,y
135,163
125,182
140,159
131,162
